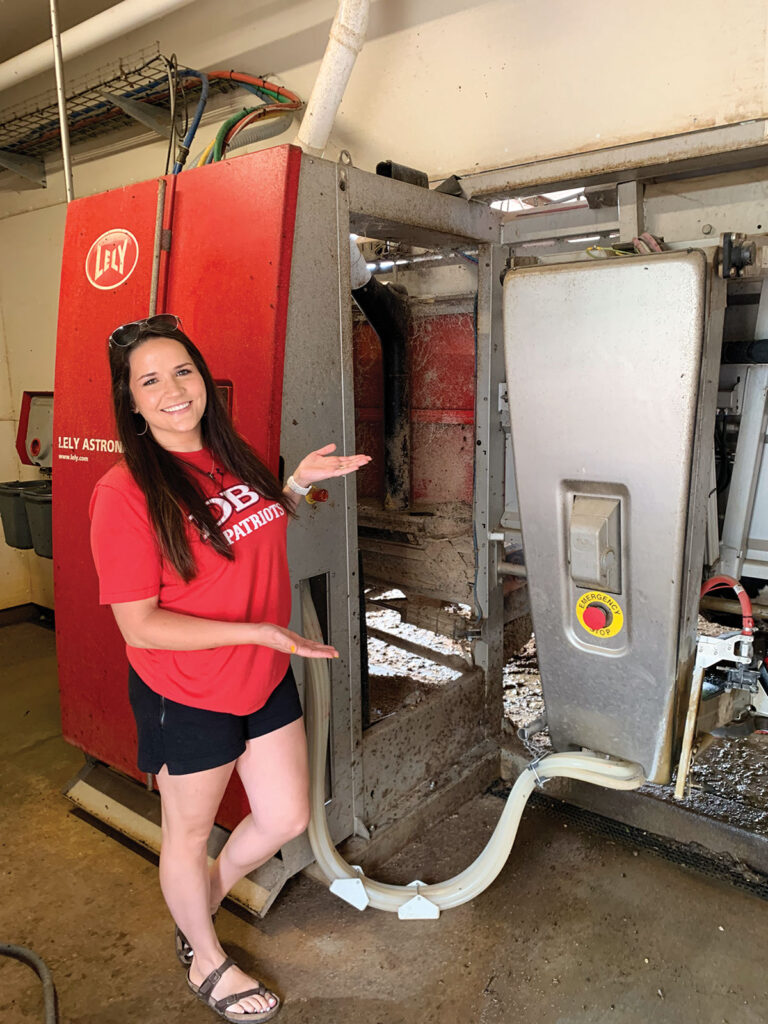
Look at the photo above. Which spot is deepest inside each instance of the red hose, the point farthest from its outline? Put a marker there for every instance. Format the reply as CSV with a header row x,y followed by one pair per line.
x,y
238,76
747,622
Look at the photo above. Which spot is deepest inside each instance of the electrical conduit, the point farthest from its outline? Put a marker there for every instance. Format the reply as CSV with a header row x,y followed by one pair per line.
x,y
111,24
585,766
344,43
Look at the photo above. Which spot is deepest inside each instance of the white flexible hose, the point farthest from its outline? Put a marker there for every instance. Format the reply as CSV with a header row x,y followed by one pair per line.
x,y
587,767
260,131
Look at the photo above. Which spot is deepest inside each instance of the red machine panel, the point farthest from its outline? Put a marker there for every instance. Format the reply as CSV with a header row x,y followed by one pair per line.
x,y
442,408
226,275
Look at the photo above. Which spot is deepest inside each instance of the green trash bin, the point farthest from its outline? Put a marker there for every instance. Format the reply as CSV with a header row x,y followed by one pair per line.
x,y
13,512
37,501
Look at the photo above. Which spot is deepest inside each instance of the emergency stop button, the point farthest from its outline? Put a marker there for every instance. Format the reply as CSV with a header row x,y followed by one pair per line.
x,y
600,614
596,616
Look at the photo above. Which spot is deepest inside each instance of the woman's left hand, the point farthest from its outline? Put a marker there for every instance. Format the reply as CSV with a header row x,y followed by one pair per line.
x,y
323,464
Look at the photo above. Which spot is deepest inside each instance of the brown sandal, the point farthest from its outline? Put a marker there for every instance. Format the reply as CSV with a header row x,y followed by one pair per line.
x,y
220,1006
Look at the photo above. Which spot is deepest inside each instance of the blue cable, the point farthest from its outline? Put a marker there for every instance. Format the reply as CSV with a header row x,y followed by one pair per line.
x,y
32,137
184,149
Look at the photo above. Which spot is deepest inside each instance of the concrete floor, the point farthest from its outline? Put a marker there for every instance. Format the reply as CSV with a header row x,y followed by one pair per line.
x,y
575,929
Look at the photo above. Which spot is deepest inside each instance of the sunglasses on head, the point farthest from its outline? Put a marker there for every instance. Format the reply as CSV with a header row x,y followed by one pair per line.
x,y
127,334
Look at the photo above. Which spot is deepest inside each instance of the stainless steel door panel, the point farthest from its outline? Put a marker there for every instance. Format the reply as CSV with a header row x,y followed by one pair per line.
x,y
604,371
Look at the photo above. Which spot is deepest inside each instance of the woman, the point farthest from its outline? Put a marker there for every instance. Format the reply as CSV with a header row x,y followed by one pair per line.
x,y
188,537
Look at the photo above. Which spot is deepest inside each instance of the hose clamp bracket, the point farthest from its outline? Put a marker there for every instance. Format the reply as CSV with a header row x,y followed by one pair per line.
x,y
532,768
419,908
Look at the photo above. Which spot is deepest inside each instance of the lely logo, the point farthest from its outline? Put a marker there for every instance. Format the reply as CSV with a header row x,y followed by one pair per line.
x,y
112,259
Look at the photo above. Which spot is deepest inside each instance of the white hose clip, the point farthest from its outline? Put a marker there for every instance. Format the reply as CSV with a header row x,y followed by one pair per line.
x,y
352,889
419,908
532,768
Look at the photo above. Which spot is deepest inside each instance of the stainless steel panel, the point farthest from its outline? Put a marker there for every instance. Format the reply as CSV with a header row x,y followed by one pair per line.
x,y
317,409
606,366
744,542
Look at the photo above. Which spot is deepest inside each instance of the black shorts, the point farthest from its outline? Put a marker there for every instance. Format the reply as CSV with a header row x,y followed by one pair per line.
x,y
193,740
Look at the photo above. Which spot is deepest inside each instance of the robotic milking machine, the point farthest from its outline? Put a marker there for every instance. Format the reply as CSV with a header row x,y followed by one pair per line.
x,y
596,388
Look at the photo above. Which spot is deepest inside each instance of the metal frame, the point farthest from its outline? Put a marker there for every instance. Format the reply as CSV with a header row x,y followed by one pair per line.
x,y
710,151
388,782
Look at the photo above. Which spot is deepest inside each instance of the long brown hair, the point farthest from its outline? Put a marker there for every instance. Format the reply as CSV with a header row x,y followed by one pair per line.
x,y
172,492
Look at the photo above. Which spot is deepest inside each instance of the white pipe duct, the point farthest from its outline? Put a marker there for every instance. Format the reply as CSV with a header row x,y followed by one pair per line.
x,y
359,272
431,899
102,28
344,43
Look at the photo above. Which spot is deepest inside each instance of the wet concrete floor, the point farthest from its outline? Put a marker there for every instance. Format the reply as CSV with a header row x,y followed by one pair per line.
x,y
576,929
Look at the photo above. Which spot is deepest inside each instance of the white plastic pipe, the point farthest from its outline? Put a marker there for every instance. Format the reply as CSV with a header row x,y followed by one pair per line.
x,y
344,43
358,268
102,28
587,767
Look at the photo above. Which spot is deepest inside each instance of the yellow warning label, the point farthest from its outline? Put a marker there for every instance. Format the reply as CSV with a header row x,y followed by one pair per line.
x,y
607,620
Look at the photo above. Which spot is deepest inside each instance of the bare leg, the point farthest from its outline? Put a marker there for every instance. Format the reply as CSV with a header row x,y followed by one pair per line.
x,y
189,805
274,771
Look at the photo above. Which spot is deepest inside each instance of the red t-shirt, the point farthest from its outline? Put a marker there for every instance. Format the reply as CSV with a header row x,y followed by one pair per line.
x,y
253,588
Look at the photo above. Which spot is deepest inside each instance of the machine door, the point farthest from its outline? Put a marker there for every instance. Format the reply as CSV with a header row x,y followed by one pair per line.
x,y
610,386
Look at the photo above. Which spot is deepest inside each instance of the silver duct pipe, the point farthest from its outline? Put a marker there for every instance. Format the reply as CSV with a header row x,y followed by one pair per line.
x,y
61,98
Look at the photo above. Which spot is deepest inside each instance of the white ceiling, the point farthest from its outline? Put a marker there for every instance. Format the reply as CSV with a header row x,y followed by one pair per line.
x,y
25,23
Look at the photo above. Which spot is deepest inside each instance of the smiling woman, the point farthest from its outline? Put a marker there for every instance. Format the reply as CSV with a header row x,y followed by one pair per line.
x,y
189,539
169,392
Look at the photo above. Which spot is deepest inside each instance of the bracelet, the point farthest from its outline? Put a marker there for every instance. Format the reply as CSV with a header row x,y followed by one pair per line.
x,y
292,485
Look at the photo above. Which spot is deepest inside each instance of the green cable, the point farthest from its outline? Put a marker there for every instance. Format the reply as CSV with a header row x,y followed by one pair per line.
x,y
229,123
218,148
259,90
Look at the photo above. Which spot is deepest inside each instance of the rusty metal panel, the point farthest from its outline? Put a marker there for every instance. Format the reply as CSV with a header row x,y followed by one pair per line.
x,y
442,407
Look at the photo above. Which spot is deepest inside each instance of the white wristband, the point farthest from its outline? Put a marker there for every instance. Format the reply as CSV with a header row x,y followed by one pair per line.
x,y
292,485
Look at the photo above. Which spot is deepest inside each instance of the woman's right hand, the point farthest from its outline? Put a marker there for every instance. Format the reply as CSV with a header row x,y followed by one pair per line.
x,y
285,640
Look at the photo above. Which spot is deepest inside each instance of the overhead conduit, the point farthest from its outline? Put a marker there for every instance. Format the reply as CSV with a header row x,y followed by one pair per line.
x,y
345,42
111,24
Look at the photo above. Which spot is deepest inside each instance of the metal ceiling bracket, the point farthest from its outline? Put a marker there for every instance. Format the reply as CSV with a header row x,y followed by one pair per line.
x,y
141,112
24,166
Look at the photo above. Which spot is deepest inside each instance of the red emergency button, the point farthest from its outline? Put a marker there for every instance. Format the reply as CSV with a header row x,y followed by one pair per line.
x,y
596,616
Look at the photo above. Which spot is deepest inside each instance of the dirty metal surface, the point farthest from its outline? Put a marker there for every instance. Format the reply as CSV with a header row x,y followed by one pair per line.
x,y
408,753
428,551
388,209
730,147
